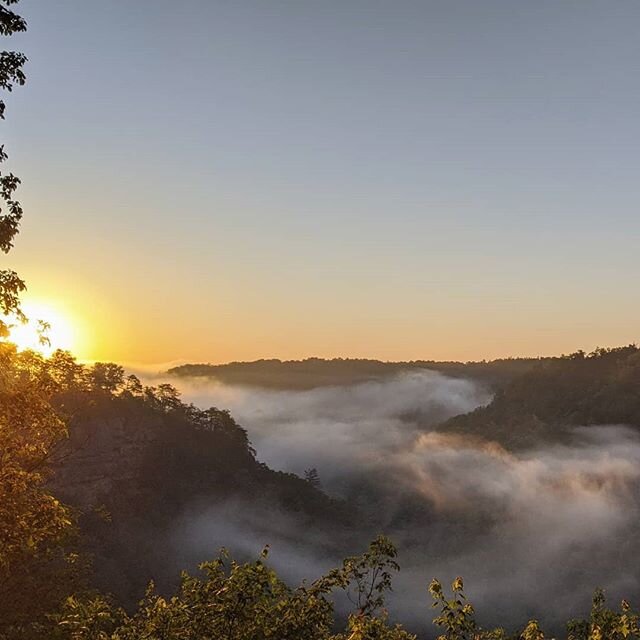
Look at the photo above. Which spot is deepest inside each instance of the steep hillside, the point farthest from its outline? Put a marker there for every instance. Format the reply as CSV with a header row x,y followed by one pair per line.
x,y
541,405
138,460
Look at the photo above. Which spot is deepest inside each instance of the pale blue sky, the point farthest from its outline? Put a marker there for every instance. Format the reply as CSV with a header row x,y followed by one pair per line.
x,y
215,180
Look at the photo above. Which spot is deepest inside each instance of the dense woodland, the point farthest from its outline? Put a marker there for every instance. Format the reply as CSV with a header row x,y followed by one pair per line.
x,y
542,404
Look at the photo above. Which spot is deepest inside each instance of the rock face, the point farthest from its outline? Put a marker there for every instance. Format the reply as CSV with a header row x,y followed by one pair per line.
x,y
101,456
132,471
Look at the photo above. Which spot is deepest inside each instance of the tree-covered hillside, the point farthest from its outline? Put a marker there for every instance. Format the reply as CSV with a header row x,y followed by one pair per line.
x,y
602,387
125,460
142,458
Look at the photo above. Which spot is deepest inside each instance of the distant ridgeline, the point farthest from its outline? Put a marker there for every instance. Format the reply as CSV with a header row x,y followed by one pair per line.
x,y
537,399
545,402
318,372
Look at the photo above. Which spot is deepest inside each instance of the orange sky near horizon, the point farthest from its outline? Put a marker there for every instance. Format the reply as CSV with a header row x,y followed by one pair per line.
x,y
253,180
134,332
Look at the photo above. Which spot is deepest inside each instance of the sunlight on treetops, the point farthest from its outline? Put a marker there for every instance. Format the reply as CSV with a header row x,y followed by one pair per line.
x,y
47,329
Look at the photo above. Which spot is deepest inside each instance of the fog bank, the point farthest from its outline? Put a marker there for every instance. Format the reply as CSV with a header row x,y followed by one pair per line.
x,y
533,533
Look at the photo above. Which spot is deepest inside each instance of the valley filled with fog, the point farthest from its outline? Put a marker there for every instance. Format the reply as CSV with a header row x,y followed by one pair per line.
x,y
532,530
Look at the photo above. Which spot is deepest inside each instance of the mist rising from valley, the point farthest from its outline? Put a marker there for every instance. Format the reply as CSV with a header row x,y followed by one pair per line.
x,y
340,430
537,529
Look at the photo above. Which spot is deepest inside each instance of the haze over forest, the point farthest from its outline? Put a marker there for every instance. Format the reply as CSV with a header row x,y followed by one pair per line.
x,y
388,253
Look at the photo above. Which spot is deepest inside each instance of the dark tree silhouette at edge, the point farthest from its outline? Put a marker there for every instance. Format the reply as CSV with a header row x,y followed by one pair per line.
x,y
11,75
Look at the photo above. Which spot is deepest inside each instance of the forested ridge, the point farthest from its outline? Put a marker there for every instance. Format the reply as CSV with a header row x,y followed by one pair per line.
x,y
543,403
124,458
311,373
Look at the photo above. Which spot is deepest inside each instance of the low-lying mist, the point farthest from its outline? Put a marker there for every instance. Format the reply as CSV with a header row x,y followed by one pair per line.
x,y
532,533
338,430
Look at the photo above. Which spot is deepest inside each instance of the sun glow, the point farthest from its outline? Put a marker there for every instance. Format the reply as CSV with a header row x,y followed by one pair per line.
x,y
60,334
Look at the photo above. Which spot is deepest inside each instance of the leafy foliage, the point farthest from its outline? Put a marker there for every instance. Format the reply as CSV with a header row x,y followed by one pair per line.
x,y
457,620
11,75
234,601
366,578
33,523
457,616
248,601
604,623
369,628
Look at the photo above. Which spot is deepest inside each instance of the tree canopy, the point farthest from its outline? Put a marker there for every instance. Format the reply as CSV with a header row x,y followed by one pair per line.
x,y
11,75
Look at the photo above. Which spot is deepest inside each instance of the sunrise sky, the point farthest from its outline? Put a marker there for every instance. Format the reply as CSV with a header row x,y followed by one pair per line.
x,y
215,180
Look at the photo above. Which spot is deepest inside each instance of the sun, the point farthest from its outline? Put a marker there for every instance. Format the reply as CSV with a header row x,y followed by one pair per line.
x,y
60,334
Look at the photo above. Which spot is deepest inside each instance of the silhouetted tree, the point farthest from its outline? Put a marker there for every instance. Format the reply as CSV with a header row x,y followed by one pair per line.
x,y
312,477
11,74
107,376
133,387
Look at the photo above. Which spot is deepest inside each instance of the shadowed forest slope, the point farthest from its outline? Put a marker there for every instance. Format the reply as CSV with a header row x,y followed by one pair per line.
x,y
543,403
133,460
